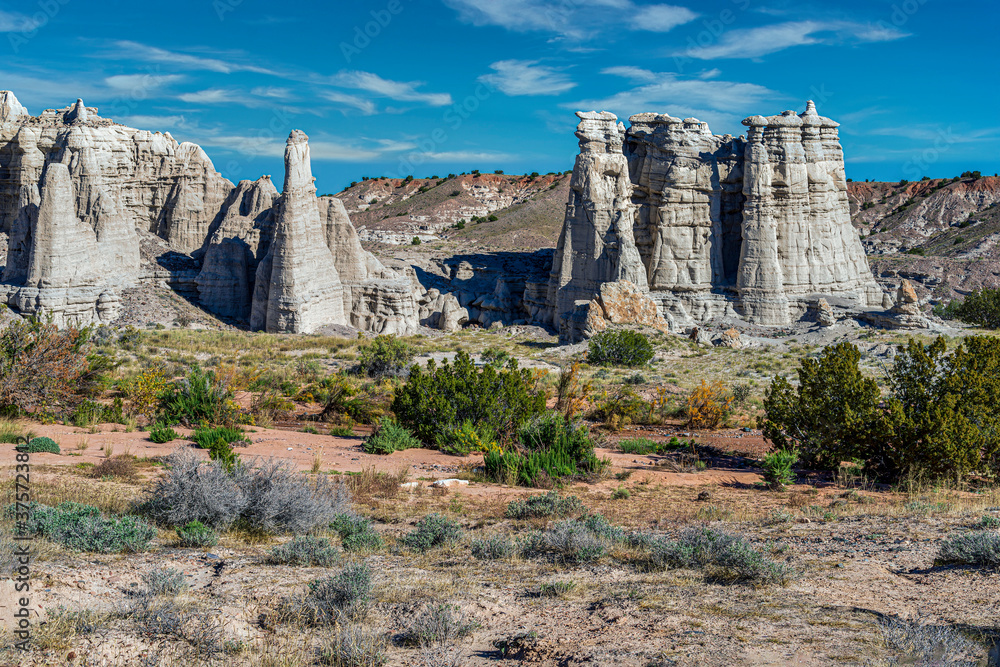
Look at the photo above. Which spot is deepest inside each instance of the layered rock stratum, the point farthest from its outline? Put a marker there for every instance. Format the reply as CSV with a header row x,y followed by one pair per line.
x,y
82,200
710,226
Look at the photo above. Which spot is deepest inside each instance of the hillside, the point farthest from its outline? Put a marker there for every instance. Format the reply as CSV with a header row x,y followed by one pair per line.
x,y
941,234
528,210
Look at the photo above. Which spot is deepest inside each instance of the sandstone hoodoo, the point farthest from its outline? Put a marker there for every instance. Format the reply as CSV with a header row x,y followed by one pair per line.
x,y
82,199
710,226
667,226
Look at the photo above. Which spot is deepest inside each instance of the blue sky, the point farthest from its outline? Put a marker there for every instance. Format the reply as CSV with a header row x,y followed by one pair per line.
x,y
439,86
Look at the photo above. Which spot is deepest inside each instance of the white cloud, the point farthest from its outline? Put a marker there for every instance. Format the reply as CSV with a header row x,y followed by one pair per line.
x,y
141,82
758,42
709,100
467,156
577,19
527,77
661,18
634,74
319,149
272,92
214,96
154,54
400,91
154,123
366,107
16,22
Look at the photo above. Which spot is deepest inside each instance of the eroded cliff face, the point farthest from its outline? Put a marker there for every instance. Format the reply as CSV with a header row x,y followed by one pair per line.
x,y
710,225
315,271
69,274
597,244
276,261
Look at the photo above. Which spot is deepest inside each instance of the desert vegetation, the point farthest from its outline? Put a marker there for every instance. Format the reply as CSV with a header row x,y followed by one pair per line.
x,y
598,485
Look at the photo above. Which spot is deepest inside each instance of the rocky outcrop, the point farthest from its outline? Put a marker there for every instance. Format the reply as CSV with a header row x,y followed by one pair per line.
x,y
596,244
905,312
710,226
147,179
68,276
297,285
315,271
618,302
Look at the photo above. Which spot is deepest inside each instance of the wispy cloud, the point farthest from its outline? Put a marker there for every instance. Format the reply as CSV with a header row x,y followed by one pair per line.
x,y
145,82
154,123
366,107
660,18
527,77
573,20
713,101
401,91
146,53
17,22
214,96
763,40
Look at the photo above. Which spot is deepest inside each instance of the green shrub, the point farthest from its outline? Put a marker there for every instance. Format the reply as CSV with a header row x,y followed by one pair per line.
x,y
197,399
416,241
832,416
160,434
778,471
388,437
306,551
643,446
342,432
494,547
357,533
219,442
571,541
197,535
464,438
434,530
981,308
620,347
88,413
36,445
501,399
724,557
385,356
345,595
943,411
546,505
988,523
550,449
979,548
82,528
621,493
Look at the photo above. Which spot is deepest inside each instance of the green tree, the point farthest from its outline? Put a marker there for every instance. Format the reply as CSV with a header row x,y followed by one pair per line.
x,y
446,395
833,415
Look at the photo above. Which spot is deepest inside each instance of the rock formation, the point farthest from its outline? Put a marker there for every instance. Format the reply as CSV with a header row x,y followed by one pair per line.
x,y
68,275
303,283
709,226
298,254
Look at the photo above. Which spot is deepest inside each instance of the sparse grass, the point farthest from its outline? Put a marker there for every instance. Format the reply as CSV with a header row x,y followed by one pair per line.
x,y
305,551
549,504
13,431
434,530
978,548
